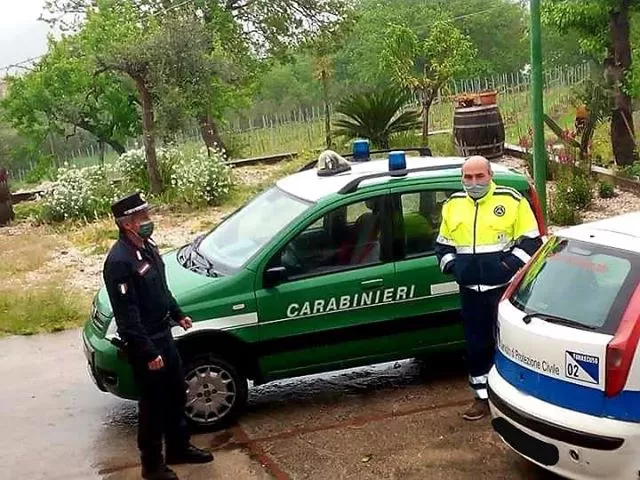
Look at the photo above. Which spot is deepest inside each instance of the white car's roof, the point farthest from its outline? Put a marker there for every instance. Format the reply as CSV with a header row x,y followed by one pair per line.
x,y
621,231
309,186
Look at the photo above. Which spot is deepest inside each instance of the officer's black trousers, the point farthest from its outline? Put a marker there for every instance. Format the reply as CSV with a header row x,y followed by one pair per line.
x,y
479,313
161,404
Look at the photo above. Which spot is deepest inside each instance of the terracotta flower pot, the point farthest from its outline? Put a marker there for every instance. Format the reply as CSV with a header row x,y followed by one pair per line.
x,y
488,98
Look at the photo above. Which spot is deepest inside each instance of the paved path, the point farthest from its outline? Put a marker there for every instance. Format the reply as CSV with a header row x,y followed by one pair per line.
x,y
389,421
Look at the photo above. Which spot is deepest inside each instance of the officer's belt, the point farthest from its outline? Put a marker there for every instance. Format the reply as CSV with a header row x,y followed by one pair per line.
x,y
164,332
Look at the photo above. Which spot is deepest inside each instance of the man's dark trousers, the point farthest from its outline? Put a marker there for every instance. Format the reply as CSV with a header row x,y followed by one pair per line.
x,y
479,314
161,404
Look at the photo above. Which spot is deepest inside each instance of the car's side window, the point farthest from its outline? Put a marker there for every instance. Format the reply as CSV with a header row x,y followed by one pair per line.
x,y
420,220
345,238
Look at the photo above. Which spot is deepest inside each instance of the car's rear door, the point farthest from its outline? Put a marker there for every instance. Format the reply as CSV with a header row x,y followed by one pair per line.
x,y
431,316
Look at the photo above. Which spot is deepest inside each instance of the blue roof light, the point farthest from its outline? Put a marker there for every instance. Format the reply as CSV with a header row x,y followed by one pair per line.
x,y
360,150
397,161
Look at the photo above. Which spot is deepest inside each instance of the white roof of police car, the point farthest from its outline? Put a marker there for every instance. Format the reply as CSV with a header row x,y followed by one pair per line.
x,y
308,185
621,231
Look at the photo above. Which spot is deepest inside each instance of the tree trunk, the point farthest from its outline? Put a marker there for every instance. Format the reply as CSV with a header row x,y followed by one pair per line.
x,y
117,146
622,129
210,134
148,135
327,113
427,99
101,146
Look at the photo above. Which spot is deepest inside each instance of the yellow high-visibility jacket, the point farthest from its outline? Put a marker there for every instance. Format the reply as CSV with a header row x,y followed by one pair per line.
x,y
484,243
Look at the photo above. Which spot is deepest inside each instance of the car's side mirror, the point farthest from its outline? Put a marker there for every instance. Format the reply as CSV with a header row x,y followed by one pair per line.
x,y
274,276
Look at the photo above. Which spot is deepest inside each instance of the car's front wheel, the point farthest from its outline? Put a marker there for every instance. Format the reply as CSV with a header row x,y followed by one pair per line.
x,y
216,392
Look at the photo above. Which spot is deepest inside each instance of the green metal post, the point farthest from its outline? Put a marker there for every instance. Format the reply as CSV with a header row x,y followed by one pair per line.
x,y
539,152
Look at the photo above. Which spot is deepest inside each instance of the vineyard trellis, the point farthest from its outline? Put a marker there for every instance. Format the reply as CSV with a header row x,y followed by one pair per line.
x,y
513,94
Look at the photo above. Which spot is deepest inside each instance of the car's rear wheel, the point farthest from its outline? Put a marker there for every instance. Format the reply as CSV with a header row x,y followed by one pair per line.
x,y
216,392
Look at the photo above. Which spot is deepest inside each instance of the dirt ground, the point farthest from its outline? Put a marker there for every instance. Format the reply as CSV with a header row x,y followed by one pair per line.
x,y
391,421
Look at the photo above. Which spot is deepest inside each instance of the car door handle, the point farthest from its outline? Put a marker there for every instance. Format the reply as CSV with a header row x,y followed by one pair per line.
x,y
371,283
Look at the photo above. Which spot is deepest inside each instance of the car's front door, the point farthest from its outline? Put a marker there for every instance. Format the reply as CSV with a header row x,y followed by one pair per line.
x,y
430,318
339,284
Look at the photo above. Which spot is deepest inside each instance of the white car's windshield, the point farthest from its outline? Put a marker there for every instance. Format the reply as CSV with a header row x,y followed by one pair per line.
x,y
235,240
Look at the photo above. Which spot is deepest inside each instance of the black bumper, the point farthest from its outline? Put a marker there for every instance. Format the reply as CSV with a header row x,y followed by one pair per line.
x,y
549,430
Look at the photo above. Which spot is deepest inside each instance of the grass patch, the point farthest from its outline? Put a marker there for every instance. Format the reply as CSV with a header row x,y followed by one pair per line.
x,y
96,238
24,253
28,211
46,308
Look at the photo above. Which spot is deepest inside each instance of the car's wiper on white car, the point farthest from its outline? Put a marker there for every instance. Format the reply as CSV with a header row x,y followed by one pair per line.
x,y
555,319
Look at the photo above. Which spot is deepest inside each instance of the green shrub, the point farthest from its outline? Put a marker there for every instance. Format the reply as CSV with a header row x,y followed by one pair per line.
x,y
561,213
630,171
41,171
605,190
78,194
573,192
28,210
574,188
202,179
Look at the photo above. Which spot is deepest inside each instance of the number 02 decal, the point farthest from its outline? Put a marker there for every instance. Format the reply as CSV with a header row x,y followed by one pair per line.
x,y
582,367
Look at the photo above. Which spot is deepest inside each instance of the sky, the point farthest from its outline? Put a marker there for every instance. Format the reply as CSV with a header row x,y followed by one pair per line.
x,y
21,34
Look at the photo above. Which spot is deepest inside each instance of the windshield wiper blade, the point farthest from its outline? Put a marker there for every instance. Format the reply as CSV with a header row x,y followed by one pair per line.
x,y
556,319
210,266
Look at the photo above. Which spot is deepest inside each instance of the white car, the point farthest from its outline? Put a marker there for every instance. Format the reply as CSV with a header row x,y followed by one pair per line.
x,y
565,388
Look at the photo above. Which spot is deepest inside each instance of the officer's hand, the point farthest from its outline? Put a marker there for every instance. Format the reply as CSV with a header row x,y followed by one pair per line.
x,y
186,323
156,364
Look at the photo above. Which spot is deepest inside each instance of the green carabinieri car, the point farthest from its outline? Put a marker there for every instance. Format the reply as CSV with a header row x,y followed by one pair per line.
x,y
333,267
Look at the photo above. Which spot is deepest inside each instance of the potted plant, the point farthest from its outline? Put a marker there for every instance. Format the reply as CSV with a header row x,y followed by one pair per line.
x,y
465,100
488,97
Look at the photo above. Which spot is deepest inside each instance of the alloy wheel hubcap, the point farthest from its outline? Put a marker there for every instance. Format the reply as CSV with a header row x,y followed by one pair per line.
x,y
211,392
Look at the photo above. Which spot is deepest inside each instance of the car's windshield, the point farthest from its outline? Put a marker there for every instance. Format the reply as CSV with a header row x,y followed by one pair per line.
x,y
235,240
581,282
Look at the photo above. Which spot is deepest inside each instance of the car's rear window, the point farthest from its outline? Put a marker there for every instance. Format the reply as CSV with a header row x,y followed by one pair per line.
x,y
587,284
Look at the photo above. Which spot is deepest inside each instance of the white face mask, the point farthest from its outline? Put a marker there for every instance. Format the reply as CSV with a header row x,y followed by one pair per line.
x,y
477,190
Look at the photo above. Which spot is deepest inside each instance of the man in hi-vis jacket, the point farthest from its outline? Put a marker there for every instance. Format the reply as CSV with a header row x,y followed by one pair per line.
x,y
488,232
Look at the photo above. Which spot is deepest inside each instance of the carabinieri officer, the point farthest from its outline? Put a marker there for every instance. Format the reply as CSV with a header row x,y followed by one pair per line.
x,y
143,306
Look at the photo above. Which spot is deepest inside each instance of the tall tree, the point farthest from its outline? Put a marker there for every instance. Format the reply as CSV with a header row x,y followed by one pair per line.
x,y
604,29
62,94
425,65
323,47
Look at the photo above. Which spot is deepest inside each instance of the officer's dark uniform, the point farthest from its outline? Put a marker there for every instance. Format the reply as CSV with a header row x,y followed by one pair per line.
x,y
144,307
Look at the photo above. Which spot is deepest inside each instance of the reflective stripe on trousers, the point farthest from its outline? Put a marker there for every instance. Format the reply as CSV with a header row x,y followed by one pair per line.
x,y
479,386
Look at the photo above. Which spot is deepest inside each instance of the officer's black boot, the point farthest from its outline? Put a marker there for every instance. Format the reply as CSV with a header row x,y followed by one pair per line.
x,y
158,472
189,454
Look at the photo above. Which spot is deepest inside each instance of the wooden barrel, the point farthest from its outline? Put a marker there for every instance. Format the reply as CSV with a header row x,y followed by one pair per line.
x,y
479,131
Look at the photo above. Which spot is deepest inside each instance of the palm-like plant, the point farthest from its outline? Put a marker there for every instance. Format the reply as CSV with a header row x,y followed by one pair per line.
x,y
376,115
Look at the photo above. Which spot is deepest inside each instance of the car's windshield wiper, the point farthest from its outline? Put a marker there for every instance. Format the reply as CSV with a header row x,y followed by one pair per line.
x,y
210,267
556,319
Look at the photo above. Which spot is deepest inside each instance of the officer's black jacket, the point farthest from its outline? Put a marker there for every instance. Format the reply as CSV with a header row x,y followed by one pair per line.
x,y
142,303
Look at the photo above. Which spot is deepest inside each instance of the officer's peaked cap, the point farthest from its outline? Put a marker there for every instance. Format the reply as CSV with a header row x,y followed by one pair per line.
x,y
128,205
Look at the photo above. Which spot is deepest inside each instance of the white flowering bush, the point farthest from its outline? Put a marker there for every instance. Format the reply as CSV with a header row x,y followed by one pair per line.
x,y
131,166
78,194
202,179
